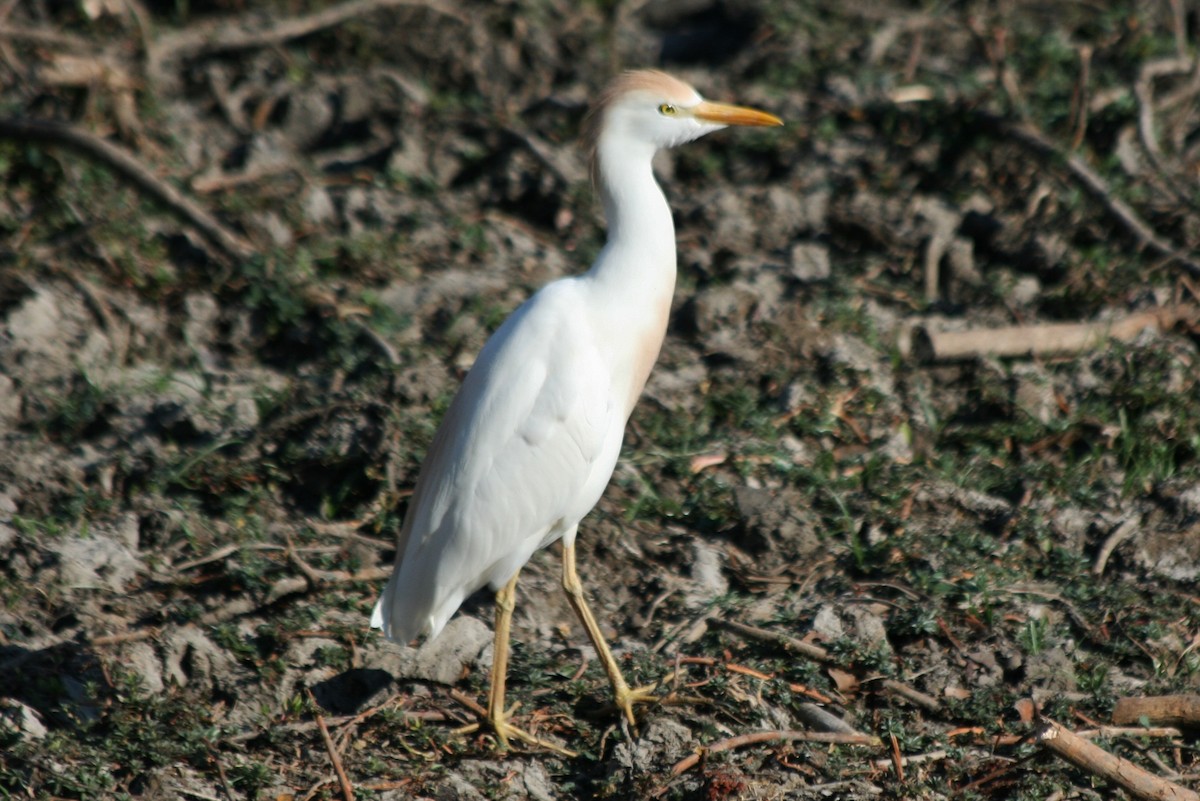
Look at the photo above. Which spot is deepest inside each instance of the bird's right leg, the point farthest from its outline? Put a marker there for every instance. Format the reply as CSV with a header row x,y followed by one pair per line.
x,y
497,715
625,695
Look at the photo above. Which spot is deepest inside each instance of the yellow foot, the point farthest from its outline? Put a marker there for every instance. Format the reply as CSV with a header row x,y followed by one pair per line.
x,y
627,696
506,732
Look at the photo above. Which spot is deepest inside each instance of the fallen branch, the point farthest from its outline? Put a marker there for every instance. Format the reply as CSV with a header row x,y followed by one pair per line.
x,y
1140,783
689,762
127,165
1041,340
236,34
1160,710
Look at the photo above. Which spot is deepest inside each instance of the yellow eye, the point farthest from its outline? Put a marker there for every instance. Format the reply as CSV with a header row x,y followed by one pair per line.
x,y
667,110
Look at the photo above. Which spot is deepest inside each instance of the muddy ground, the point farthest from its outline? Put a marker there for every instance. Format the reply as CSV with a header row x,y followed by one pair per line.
x,y
248,252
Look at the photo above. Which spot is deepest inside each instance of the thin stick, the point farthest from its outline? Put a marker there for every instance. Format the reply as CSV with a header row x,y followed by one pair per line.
x,y
687,763
1094,185
1095,760
813,652
915,759
126,164
913,695
125,636
1119,534
334,756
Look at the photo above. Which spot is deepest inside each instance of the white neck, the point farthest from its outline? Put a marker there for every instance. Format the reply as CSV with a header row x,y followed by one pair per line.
x,y
641,234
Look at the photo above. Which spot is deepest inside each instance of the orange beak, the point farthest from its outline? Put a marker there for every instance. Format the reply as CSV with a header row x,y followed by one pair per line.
x,y
724,114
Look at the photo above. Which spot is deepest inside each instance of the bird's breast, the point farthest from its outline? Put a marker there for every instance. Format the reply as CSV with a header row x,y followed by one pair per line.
x,y
645,338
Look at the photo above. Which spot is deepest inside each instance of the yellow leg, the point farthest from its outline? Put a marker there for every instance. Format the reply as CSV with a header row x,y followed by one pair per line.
x,y
497,715
626,697
506,602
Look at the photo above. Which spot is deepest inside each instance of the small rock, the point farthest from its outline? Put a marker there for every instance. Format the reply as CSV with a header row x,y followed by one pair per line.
x,y
1051,671
10,403
442,659
452,787
275,227
309,115
844,350
960,258
20,719
772,521
1189,500
537,782
815,211
1171,553
202,315
96,562
784,213
245,415
141,659
867,626
708,580
1034,392
810,262
1026,291
664,740
318,206
734,229
8,533
191,657
722,307
828,624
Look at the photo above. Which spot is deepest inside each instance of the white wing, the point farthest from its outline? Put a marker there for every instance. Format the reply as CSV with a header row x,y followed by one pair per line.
x,y
522,455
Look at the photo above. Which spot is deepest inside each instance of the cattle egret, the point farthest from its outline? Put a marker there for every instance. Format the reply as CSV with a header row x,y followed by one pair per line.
x,y
530,442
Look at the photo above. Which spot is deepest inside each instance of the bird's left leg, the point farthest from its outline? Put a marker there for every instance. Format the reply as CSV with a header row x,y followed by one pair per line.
x,y
497,715
626,696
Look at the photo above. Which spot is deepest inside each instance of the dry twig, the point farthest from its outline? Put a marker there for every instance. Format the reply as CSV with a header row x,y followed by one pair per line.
x,y
689,762
127,165
1095,760
334,756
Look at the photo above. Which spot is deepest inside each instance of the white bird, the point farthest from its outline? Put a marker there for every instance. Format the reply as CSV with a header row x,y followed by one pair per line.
x,y
530,442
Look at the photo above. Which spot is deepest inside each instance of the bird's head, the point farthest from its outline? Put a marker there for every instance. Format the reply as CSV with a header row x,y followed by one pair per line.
x,y
650,109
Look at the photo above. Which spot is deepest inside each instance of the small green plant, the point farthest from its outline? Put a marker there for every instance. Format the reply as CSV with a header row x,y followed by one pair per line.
x,y
1032,635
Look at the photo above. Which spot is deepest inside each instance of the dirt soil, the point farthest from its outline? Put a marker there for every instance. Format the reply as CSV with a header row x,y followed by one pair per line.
x,y
248,251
